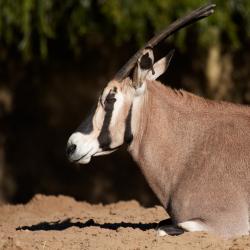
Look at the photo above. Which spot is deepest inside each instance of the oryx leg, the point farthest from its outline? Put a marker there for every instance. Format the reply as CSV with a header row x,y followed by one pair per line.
x,y
193,226
166,227
170,229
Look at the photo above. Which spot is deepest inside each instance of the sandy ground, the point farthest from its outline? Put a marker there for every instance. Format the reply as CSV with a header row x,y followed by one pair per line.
x,y
49,222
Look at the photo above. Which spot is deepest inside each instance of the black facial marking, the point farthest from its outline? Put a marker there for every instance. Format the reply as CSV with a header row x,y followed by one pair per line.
x,y
110,99
146,62
128,136
86,126
104,137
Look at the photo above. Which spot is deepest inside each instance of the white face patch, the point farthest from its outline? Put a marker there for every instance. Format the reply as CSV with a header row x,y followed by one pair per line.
x,y
98,117
86,147
117,108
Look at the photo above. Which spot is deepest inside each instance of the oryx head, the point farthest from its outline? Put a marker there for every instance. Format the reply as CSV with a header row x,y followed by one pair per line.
x,y
109,125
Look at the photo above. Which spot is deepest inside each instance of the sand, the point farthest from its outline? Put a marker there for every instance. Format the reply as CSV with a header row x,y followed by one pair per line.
x,y
60,222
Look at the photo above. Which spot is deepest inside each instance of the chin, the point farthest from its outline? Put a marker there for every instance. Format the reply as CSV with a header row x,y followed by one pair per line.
x,y
84,160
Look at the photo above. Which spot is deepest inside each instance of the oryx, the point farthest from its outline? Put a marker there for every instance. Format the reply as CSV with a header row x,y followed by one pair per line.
x,y
193,152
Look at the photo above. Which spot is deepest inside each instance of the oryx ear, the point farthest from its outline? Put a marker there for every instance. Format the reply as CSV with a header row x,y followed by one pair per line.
x,y
143,66
160,66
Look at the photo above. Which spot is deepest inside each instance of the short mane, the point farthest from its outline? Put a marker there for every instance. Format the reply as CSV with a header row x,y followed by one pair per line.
x,y
179,97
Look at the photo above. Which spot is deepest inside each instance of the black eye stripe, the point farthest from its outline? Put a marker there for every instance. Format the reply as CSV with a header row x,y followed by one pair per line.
x,y
110,99
104,137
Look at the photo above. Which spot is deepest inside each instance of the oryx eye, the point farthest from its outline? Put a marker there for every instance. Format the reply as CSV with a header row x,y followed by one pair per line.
x,y
110,99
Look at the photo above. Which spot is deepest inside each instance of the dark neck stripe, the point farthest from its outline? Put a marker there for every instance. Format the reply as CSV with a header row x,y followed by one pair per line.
x,y
128,135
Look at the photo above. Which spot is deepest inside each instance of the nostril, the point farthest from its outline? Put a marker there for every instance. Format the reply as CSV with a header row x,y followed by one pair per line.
x,y
70,149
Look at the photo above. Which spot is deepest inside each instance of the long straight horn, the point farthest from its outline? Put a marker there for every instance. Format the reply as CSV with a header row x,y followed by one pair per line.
x,y
180,23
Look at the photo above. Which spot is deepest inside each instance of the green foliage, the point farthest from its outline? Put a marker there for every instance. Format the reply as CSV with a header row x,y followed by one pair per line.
x,y
30,25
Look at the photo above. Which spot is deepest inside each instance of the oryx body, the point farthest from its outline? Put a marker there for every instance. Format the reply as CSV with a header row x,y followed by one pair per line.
x,y
193,152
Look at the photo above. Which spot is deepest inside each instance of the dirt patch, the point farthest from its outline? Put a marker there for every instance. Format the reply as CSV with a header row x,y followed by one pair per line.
x,y
49,222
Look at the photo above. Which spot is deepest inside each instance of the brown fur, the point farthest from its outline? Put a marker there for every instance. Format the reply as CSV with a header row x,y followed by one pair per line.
x,y
195,155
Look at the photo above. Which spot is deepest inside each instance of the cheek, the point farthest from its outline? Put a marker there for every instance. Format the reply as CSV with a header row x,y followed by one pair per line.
x,y
117,134
118,124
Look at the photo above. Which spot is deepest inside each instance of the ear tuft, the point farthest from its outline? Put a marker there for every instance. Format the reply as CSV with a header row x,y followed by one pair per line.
x,y
146,62
161,66
144,65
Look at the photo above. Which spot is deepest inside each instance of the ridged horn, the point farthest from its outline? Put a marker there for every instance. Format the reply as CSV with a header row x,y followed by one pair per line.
x,y
180,23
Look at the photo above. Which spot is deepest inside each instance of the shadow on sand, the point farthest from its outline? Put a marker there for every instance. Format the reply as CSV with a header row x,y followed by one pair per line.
x,y
62,225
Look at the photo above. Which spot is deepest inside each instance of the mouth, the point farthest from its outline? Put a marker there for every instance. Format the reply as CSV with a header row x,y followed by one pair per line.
x,y
82,157
106,152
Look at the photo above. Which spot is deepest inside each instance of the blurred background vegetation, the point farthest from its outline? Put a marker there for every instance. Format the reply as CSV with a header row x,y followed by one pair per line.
x,y
55,56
